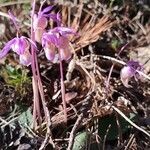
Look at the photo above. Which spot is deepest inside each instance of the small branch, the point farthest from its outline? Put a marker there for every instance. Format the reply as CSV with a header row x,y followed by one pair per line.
x,y
109,76
47,116
143,74
112,67
112,59
7,16
129,121
6,123
14,3
123,63
9,122
129,142
48,138
73,132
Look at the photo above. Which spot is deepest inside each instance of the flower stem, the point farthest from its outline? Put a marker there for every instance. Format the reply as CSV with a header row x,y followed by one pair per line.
x,y
36,103
38,83
63,91
41,91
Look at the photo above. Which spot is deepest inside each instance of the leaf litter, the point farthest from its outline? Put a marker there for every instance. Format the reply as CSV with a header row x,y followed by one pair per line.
x,y
90,103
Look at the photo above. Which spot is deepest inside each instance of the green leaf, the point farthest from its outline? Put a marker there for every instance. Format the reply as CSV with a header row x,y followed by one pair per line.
x,y
113,130
80,141
115,44
16,77
25,118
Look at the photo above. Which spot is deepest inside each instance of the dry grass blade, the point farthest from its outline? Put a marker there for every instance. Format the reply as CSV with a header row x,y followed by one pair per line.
x,y
2,4
76,21
87,24
91,34
7,16
123,63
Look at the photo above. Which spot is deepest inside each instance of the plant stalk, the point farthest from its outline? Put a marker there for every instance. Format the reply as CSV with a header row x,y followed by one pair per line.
x,y
63,90
36,102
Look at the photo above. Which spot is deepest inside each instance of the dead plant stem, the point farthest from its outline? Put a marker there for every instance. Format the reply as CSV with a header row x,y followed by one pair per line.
x,y
73,131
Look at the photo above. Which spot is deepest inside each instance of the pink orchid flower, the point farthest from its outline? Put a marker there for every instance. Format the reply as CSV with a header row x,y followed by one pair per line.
x,y
57,38
21,47
41,20
129,71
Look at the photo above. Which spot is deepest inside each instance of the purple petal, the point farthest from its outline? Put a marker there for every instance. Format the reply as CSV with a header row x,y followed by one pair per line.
x,y
20,45
26,58
50,51
54,17
50,37
7,48
130,71
38,34
134,65
62,42
39,22
64,30
47,9
58,20
65,54
126,74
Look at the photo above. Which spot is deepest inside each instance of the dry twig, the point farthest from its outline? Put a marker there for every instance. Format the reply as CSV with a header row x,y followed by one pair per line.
x,y
129,121
73,132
